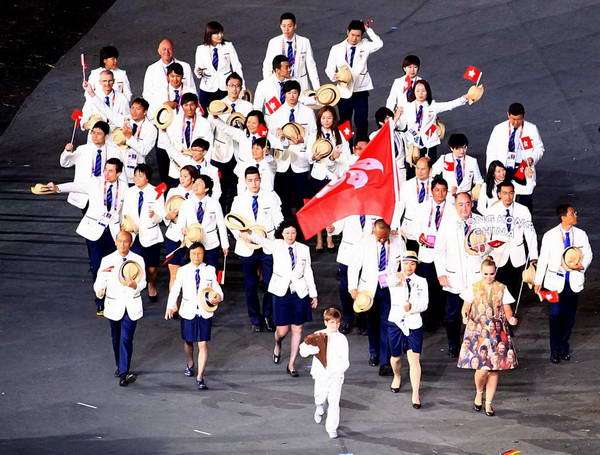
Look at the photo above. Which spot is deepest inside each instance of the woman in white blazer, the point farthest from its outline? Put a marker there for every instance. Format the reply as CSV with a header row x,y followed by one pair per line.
x,y
109,60
496,173
215,60
293,288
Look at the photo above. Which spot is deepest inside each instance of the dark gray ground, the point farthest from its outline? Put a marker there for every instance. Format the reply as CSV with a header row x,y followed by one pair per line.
x,y
56,353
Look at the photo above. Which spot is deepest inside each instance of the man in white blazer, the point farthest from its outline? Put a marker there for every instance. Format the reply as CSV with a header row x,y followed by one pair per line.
x,y
377,257
553,275
272,86
262,208
460,170
354,52
123,303
513,141
456,268
298,51
512,224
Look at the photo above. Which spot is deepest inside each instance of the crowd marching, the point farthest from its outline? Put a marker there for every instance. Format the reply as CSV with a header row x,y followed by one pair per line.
x,y
237,168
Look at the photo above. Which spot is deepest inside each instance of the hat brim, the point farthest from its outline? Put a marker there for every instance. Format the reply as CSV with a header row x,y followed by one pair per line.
x,y
137,277
163,117
41,189
236,222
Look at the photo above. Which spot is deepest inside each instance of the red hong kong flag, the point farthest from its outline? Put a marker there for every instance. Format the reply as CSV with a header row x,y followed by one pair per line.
x,y
272,105
449,166
472,74
432,129
550,296
527,142
262,130
76,116
519,175
367,187
346,129
160,189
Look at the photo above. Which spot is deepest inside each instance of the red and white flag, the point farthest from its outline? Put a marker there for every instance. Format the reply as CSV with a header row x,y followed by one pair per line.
x,y
346,129
432,129
519,175
367,187
550,296
449,166
472,74
272,105
527,142
160,189
76,116
262,130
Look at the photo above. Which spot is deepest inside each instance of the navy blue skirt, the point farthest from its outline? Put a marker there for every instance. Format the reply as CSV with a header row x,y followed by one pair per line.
x,y
197,329
400,343
150,254
181,257
291,309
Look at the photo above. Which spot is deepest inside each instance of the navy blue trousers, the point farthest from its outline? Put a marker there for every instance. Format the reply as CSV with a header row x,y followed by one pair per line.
x,y
97,249
562,320
211,257
345,297
357,104
122,340
249,268
453,320
377,332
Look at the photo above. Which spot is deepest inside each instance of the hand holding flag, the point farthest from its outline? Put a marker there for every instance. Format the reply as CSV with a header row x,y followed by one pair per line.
x,y
346,129
76,116
83,66
272,105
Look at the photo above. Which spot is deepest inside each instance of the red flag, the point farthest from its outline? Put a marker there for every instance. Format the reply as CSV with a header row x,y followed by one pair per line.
x,y
220,277
527,142
431,130
449,166
472,74
550,296
262,130
160,189
76,116
511,452
272,105
519,175
496,243
366,188
346,129
407,83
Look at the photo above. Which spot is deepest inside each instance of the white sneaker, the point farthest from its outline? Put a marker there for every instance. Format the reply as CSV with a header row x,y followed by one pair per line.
x,y
319,414
333,434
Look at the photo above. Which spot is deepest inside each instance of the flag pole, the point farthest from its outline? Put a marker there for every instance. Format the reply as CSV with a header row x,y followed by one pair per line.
x,y
394,167
479,78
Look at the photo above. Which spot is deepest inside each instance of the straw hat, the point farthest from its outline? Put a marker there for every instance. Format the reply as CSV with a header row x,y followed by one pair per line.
x,y
410,256
475,192
282,159
130,270
293,131
571,257
127,224
441,128
528,275
174,203
413,154
475,93
363,302
164,117
118,137
218,107
247,96
328,94
205,295
194,233
236,222
258,230
237,120
321,148
476,242
344,75
94,118
41,189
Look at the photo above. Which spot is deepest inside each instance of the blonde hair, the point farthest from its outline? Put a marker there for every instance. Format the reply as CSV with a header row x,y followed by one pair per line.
x,y
488,262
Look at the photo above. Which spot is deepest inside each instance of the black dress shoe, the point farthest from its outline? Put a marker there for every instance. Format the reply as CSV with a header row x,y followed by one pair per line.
x,y
117,373
566,357
395,389
385,370
554,358
257,328
292,373
373,361
416,405
269,326
127,379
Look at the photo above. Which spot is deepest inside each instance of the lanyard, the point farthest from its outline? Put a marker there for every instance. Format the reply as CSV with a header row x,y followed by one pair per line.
x,y
442,208
115,200
192,127
284,51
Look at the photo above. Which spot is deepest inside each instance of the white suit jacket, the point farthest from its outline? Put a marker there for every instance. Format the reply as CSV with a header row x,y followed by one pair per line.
x,y
425,224
118,297
338,354
550,273
339,55
149,227
266,89
470,169
397,96
214,79
173,226
215,233
418,298
407,206
121,84
156,85
352,234
180,160
118,104
224,147
304,63
185,284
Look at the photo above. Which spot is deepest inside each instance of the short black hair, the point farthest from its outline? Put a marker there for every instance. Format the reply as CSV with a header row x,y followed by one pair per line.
x,y
425,84
192,170
208,183
286,223
563,209
381,114
290,85
381,223
142,102
503,184
356,25
411,60
195,245
144,169
289,16
103,126
187,97
235,76
261,142
175,68
278,60
116,162
438,180
251,170
108,52
516,109
457,140
202,143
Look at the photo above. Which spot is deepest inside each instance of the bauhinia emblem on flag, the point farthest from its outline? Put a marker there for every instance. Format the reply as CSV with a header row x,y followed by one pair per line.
x,y
449,166
76,116
346,129
262,130
160,189
432,129
366,188
550,296
527,142
472,74
272,105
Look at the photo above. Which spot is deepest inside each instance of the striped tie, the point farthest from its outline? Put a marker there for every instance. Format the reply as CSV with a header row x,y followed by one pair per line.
x,y
140,202
97,171
438,217
281,93
232,107
422,193
352,52
107,101
508,220
109,198
291,251
197,279
292,116
419,115
215,58
188,133
459,172
511,141
255,206
200,213
382,258
362,221
567,244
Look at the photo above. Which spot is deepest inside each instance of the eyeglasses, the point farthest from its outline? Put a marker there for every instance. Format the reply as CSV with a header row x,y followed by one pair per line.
x,y
234,86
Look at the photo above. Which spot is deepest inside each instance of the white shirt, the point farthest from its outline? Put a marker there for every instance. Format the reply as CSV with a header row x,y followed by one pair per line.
x,y
185,284
214,79
121,84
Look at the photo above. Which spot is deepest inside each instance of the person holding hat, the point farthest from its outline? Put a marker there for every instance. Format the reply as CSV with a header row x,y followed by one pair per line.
x,y
419,119
216,59
561,244
496,173
330,353
146,209
486,313
354,53
109,60
513,141
382,115
402,91
376,257
174,235
195,282
262,208
513,225
123,306
292,286
298,51
272,86
201,208
460,170
266,164
409,298
89,160
101,222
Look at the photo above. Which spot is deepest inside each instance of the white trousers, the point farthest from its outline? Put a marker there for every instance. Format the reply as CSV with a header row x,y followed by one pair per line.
x,y
329,389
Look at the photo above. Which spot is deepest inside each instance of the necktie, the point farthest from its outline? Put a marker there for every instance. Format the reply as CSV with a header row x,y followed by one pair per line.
x,y
327,136
98,164
292,117
408,287
422,193
382,258
567,244
352,52
215,58
187,195
140,202
125,258
107,101
362,221
438,217
466,227
134,129
197,279
419,115
290,53
200,213
188,133
109,198
176,96
508,220
291,251
459,172
511,141
199,167
255,206
232,107
281,93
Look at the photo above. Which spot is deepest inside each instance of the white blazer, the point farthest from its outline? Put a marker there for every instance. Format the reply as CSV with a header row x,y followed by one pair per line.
x,y
339,55
242,142
337,356
214,79
366,263
266,89
407,206
185,284
484,203
470,169
121,84
173,227
269,216
352,234
328,168
224,147
397,96
97,217
156,84
215,233
550,272
117,297
497,148
118,104
204,168
304,63
425,224
522,230
418,298
149,227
